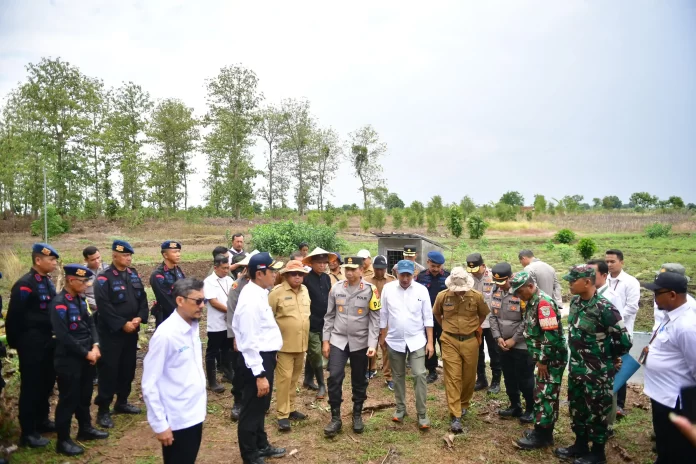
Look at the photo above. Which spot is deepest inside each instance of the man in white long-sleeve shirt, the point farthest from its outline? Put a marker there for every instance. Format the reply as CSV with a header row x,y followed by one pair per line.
x,y
657,312
258,340
627,288
173,382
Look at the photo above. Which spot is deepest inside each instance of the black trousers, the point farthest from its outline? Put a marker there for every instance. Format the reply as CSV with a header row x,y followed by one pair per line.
x,y
184,449
238,379
337,372
251,433
37,377
672,446
431,363
493,353
116,367
621,397
74,394
518,371
217,344
95,317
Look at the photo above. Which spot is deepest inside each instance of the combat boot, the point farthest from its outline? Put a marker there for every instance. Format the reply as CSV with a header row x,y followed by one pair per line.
x,y
540,438
577,450
335,425
494,389
309,378
596,456
515,410
527,417
358,426
213,384
481,383
226,367
69,448
321,391
236,410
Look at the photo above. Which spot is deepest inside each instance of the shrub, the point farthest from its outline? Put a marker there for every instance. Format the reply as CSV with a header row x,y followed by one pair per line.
x,y
550,246
330,216
566,252
656,230
412,218
586,247
111,209
476,226
56,224
528,215
484,243
313,218
343,223
565,236
505,212
454,221
364,224
281,238
432,223
397,218
378,219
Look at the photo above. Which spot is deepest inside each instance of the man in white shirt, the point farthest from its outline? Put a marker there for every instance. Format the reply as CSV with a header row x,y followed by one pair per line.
x,y
657,312
216,289
627,288
670,365
173,382
406,310
258,340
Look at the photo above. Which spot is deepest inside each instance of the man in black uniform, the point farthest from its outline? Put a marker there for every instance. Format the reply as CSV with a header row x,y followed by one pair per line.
x,y
122,306
163,278
77,352
28,329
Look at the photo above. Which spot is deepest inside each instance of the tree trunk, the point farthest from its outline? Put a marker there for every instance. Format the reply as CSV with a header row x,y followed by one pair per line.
x,y
270,176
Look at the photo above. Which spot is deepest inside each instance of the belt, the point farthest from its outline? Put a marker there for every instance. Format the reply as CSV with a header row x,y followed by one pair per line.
x,y
461,338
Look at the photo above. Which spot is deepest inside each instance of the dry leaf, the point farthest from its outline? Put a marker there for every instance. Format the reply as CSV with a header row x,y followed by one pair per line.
x,y
449,440
293,452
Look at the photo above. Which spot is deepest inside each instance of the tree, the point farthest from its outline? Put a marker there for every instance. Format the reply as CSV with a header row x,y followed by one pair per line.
x,y
436,208
611,202
328,154
173,130
467,206
643,200
539,204
270,129
364,156
454,223
512,199
233,99
675,202
393,201
596,203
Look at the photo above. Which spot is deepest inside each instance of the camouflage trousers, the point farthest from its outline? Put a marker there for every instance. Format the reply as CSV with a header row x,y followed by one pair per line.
x,y
590,399
546,393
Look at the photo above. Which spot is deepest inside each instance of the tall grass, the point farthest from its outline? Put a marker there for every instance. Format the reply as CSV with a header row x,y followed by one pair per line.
x,y
511,226
11,266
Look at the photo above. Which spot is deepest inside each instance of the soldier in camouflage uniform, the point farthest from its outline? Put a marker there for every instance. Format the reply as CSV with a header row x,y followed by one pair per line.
x,y
597,339
544,336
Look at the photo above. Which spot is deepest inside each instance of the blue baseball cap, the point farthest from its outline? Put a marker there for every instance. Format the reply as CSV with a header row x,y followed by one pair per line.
x,y
338,256
77,270
261,261
122,246
436,257
405,267
44,249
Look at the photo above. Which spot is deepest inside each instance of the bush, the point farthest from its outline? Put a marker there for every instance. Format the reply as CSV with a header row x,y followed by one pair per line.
x,y
364,224
111,209
330,216
432,223
505,212
56,224
378,219
586,247
550,246
528,215
313,218
397,218
476,226
411,218
454,221
657,230
281,238
566,252
565,236
343,223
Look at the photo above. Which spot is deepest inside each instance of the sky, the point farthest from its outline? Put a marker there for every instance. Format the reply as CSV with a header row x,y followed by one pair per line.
x,y
472,98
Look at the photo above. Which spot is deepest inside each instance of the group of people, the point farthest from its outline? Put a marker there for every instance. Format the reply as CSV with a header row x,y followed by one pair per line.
x,y
267,322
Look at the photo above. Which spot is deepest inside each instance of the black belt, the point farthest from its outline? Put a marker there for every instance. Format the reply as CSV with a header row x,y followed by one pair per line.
x,y
461,338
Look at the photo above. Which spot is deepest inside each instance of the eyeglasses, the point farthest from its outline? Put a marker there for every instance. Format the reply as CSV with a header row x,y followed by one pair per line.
x,y
663,292
294,274
198,301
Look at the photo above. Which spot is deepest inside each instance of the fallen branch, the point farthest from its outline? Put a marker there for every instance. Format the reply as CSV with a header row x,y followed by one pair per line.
x,y
378,406
387,456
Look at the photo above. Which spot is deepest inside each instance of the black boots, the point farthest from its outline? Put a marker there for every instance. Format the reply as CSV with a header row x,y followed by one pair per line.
x,y
126,408
236,409
90,433
335,425
69,448
596,456
494,389
528,416
540,437
226,367
481,382
213,385
33,441
578,449
514,410
309,377
104,419
358,426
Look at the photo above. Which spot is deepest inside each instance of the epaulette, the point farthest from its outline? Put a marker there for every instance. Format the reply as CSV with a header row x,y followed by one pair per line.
x,y
277,286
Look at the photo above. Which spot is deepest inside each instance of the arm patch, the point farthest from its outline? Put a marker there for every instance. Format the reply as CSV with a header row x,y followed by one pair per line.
x,y
375,302
547,316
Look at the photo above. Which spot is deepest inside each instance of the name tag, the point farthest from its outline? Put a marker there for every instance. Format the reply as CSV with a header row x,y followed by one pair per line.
x,y
183,348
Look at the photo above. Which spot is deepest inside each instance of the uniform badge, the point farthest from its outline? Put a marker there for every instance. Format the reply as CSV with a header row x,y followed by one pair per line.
x,y
119,248
102,280
73,326
235,285
360,311
349,260
68,297
81,272
340,309
115,272
172,244
46,251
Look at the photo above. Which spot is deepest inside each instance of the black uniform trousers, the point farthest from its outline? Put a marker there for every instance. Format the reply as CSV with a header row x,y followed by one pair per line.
x,y
337,372
116,367
431,362
251,433
184,448
75,378
518,371
37,377
672,446
621,397
238,378
217,345
493,353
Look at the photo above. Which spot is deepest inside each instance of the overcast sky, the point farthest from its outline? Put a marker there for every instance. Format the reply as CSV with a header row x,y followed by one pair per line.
x,y
553,97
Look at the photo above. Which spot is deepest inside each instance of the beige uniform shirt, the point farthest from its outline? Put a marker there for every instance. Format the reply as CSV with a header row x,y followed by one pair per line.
x,y
352,316
379,283
460,313
337,277
291,310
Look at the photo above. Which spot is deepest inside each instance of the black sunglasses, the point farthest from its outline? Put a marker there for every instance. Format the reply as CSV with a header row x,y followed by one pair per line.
x,y
295,274
198,301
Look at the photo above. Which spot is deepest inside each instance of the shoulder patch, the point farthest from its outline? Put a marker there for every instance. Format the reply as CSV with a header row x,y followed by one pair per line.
x,y
547,316
375,302
102,279
235,285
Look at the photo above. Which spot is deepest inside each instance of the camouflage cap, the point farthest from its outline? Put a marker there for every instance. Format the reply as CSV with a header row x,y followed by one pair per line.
x,y
673,267
518,280
580,271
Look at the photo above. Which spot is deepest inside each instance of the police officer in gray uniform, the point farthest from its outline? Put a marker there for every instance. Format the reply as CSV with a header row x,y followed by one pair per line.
x,y
507,328
351,331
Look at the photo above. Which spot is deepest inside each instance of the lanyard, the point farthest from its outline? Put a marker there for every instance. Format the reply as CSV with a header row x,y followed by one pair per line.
x,y
223,289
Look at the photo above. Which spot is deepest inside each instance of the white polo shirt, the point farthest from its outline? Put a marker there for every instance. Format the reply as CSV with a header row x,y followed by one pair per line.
x,y
407,312
218,288
173,382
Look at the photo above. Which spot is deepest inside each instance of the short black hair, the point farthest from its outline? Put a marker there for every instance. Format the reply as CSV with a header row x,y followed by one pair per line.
x,y
237,235
294,255
89,251
525,254
613,251
184,287
220,260
602,267
219,250
302,245
36,255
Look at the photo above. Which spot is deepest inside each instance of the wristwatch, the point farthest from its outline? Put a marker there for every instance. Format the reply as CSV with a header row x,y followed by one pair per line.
x,y
262,375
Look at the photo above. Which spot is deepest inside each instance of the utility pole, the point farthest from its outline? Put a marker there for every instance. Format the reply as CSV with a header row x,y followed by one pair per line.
x,y
45,211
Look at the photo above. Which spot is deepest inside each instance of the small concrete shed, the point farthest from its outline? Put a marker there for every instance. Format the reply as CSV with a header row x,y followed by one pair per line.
x,y
392,247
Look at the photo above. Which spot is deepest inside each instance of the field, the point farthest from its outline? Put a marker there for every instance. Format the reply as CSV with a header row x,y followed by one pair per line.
x,y
487,439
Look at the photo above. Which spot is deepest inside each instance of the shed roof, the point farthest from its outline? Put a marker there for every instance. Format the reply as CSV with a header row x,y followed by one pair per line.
x,y
411,236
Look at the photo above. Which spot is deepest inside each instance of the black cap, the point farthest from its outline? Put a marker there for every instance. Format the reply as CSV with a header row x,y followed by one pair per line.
x,y
353,262
380,262
501,272
668,281
473,262
410,250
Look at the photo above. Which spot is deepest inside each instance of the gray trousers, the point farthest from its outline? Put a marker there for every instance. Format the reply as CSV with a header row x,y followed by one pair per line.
x,y
418,370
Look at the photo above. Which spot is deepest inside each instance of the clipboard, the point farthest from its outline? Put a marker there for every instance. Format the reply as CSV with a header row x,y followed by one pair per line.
x,y
629,366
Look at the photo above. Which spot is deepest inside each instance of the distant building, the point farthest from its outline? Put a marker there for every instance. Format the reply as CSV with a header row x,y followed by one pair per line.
x,y
392,247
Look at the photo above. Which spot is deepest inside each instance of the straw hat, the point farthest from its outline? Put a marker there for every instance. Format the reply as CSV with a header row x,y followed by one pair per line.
x,y
459,280
294,266
307,261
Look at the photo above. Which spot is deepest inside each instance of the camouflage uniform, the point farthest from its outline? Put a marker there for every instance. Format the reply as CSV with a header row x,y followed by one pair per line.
x,y
596,337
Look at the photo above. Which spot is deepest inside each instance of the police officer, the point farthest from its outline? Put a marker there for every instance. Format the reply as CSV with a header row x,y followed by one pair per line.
x,y
351,331
290,304
460,310
163,278
507,327
410,254
434,278
28,329
3,353
122,308
379,279
77,352
544,336
597,338
483,282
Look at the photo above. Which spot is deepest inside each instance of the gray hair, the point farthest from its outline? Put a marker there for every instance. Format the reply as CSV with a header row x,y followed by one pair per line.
x,y
184,287
525,254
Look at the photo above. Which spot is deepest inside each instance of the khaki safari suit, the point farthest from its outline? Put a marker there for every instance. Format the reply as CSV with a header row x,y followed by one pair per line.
x,y
291,310
386,368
